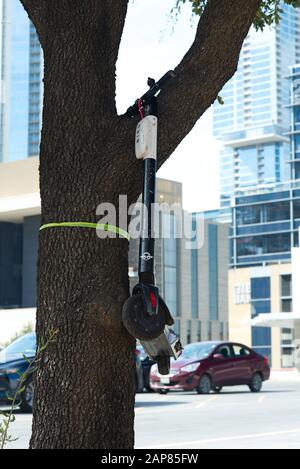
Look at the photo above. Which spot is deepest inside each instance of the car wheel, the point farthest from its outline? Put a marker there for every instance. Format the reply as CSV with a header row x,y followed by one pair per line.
x,y
205,385
218,389
27,395
163,391
256,383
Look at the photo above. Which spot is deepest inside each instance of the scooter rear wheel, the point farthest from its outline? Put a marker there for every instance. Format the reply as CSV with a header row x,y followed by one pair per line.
x,y
138,323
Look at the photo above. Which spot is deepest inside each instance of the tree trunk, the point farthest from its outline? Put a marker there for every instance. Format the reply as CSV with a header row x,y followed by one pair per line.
x,y
85,384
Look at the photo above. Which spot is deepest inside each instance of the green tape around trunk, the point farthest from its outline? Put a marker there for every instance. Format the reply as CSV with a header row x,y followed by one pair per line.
x,y
94,226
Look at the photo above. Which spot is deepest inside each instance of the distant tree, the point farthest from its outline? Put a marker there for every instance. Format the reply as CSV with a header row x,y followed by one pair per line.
x,y
85,383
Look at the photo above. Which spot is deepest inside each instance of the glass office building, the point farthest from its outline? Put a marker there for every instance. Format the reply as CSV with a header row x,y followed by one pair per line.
x,y
21,84
254,120
295,121
265,230
266,221
265,226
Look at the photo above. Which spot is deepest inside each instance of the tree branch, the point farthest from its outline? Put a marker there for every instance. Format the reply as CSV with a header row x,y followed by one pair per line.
x,y
209,64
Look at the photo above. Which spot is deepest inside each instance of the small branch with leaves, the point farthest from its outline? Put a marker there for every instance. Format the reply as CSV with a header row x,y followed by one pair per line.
x,y
8,417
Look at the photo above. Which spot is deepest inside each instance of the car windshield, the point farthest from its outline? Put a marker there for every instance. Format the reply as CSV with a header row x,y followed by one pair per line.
x,y
197,351
26,345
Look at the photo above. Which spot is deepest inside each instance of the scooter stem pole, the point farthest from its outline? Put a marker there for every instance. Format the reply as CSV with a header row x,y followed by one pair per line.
x,y
147,244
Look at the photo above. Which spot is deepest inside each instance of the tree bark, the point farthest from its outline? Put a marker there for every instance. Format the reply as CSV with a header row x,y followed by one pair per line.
x,y
85,381
85,384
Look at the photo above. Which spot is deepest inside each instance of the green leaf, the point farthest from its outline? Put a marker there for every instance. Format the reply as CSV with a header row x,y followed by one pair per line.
x,y
269,13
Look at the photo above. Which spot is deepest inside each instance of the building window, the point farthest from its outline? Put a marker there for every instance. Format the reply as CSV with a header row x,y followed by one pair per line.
x,y
260,296
267,244
260,307
297,208
261,303
297,114
286,294
287,348
260,288
263,213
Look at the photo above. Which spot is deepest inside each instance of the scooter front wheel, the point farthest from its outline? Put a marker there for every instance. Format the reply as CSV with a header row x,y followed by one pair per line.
x,y
138,323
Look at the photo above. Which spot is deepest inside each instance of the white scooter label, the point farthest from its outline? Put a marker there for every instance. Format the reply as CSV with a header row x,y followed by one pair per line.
x,y
146,138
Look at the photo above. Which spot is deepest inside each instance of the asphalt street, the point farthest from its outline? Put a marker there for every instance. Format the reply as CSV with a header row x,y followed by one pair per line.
x,y
235,419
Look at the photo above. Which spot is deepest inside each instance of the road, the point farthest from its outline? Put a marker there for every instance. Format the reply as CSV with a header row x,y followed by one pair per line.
x,y
235,419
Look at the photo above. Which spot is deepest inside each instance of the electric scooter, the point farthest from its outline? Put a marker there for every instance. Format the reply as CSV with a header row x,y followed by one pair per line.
x,y
145,314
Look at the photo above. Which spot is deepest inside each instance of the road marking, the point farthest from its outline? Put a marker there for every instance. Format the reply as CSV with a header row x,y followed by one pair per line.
x,y
204,404
224,440
261,399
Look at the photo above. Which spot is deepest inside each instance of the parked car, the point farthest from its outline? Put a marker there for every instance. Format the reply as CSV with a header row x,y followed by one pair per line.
x,y
209,366
147,364
12,365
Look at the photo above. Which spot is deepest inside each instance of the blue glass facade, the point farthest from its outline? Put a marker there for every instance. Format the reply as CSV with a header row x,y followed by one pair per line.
x,y
295,122
253,122
21,60
266,224
265,227
35,93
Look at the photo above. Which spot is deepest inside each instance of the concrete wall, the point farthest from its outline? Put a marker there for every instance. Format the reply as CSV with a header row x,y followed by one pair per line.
x,y
19,178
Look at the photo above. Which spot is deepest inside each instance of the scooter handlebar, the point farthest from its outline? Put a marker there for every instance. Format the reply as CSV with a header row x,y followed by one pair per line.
x,y
155,88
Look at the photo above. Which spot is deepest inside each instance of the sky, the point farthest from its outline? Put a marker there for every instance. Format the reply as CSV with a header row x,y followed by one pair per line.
x,y
151,45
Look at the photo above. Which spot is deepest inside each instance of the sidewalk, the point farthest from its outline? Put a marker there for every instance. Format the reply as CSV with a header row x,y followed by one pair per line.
x,y
285,375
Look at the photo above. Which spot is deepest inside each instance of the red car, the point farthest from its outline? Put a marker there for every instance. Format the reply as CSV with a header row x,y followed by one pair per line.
x,y
209,366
